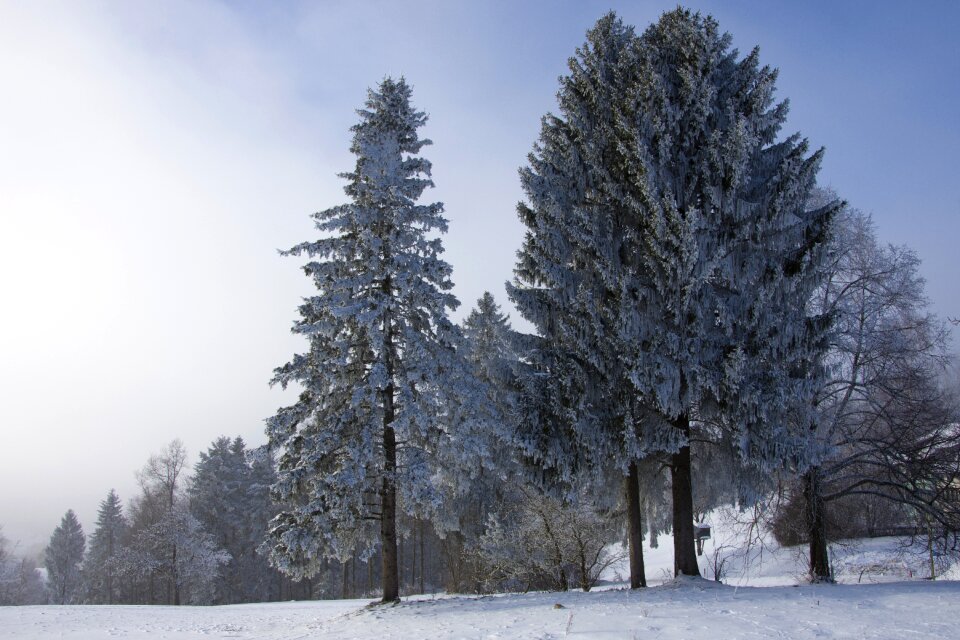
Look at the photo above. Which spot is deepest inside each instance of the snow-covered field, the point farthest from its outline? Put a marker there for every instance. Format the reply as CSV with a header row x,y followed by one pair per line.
x,y
690,609
882,597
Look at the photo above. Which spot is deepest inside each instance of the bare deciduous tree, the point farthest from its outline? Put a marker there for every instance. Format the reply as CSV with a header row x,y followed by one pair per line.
x,y
887,429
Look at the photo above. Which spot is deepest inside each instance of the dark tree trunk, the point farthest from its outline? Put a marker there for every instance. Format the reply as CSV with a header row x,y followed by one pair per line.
x,y
422,563
816,526
413,551
388,519
635,528
173,578
369,575
684,549
402,559
354,573
388,490
453,546
562,583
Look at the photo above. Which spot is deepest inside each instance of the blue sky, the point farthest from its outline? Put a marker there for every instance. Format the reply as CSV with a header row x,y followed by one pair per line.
x,y
153,156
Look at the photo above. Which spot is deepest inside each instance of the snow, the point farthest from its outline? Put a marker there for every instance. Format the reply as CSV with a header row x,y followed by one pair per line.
x,y
675,610
760,562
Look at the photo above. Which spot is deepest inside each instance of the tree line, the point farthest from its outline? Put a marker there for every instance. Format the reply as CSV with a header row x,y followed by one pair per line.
x,y
182,540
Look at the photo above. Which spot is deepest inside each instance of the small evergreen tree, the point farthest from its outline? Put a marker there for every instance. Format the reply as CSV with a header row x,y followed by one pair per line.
x,y
376,405
101,568
62,558
489,347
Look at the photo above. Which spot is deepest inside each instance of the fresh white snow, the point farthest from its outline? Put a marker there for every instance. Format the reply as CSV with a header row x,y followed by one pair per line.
x,y
673,611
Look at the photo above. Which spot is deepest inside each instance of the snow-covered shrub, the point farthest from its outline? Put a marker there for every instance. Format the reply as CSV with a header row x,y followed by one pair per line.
x,y
541,542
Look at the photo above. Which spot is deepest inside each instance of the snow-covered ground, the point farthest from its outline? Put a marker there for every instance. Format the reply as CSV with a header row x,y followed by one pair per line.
x,y
883,596
689,609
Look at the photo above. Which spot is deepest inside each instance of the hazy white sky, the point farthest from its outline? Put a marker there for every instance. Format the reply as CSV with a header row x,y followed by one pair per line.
x,y
153,157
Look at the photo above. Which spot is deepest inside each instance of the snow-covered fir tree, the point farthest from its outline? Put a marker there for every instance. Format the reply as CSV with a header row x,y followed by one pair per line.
x,y
62,558
669,252
573,266
230,496
488,339
102,567
728,251
380,378
473,490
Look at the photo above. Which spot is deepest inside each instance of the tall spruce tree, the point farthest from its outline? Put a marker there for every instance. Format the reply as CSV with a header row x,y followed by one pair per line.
x,y
63,557
571,271
730,254
102,566
669,252
363,437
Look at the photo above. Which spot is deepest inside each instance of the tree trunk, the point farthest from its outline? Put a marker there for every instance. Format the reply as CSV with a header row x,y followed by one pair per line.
x,y
369,575
635,528
585,583
354,572
422,563
413,559
388,518
684,549
816,526
174,583
453,545
388,491
562,583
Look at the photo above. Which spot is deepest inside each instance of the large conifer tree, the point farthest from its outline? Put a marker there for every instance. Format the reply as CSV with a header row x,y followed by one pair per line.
x,y
669,253
571,270
363,436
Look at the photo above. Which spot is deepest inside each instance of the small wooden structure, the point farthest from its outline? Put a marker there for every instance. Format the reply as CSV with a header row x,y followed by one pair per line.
x,y
701,532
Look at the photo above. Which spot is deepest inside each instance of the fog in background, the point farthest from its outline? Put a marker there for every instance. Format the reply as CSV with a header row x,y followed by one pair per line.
x,y
153,157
